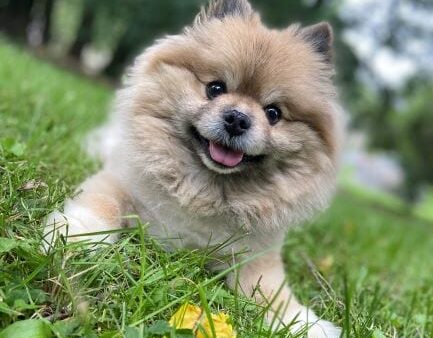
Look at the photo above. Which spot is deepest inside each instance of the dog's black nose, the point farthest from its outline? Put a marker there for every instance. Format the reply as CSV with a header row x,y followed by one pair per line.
x,y
236,123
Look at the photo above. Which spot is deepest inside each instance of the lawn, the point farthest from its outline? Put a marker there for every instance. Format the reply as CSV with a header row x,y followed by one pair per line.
x,y
362,264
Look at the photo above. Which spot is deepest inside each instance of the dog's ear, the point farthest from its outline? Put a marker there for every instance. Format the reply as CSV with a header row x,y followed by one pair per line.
x,y
321,37
219,9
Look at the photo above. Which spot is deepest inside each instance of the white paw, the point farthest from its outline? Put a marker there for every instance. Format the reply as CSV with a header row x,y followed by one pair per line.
x,y
307,321
323,329
75,221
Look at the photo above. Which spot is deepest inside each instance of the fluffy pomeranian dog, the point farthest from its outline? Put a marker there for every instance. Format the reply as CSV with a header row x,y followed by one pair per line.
x,y
229,129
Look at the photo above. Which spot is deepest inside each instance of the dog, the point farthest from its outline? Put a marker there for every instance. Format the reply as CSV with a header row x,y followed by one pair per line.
x,y
227,129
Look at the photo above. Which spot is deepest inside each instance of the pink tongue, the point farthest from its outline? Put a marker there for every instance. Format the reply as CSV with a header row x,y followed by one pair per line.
x,y
225,156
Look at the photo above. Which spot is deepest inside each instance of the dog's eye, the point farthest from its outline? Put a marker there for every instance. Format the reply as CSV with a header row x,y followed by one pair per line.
x,y
273,113
215,88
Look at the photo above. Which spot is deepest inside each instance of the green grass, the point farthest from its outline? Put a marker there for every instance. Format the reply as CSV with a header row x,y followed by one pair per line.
x,y
363,265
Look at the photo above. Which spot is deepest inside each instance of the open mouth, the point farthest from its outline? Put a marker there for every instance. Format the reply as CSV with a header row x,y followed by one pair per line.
x,y
225,156
221,155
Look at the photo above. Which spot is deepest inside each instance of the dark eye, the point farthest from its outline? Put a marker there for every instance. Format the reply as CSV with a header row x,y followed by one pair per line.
x,y
273,113
215,89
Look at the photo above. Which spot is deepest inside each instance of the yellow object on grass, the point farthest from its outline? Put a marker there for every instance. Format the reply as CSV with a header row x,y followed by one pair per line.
x,y
192,317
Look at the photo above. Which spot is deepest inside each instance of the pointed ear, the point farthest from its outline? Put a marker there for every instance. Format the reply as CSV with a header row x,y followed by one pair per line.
x,y
220,9
321,37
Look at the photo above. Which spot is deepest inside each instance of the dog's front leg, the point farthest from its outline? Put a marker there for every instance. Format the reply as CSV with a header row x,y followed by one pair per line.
x,y
264,279
98,206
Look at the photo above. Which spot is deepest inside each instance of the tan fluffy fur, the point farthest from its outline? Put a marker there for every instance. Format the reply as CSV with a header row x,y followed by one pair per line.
x,y
154,167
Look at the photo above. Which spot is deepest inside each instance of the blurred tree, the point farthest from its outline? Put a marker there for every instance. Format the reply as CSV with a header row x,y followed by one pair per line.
x,y
15,17
27,20
39,29
405,129
85,28
47,17
415,140
122,54
281,13
145,21
391,99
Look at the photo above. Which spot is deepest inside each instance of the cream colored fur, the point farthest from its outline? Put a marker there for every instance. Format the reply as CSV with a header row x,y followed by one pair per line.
x,y
152,166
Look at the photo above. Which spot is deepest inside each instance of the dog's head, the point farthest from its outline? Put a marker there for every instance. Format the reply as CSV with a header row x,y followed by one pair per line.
x,y
236,114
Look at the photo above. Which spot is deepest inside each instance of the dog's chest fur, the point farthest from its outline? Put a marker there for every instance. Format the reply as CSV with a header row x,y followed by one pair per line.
x,y
177,227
